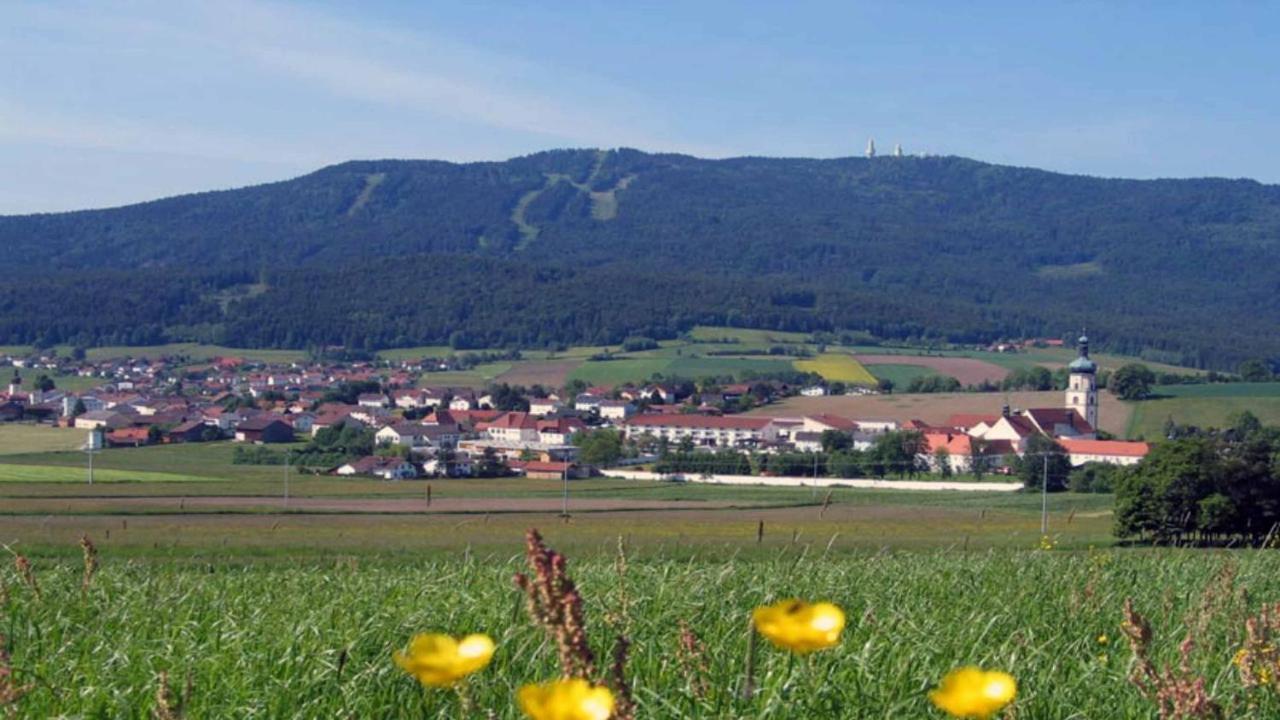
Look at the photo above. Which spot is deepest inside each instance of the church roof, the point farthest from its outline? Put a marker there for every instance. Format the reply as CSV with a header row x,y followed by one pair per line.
x,y
1083,364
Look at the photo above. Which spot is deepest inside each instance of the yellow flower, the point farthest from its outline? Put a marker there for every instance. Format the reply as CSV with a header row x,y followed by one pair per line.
x,y
440,660
566,700
1103,639
799,626
971,692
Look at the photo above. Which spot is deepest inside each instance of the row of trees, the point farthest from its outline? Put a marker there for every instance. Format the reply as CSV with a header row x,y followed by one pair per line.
x,y
1206,487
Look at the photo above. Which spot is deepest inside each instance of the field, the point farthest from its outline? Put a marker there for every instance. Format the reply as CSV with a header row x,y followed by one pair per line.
x,y
291,608
548,373
313,638
968,371
936,408
477,377
24,438
900,375
837,367
195,351
1205,406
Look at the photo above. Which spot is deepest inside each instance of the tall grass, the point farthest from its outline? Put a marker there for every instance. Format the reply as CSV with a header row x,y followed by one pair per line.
x,y
314,640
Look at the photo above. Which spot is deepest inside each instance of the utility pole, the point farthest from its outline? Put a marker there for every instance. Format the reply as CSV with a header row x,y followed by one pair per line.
x,y
1044,498
564,505
91,447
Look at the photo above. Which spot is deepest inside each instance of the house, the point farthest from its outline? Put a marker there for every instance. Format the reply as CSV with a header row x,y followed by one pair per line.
x,y
658,394
417,435
587,402
1011,428
544,406
129,437
615,410
373,400
464,401
301,421
813,391
1060,423
264,428
387,468
106,419
542,470
335,415
11,411
189,431
1113,452
733,431
559,431
374,416
810,442
958,447
512,427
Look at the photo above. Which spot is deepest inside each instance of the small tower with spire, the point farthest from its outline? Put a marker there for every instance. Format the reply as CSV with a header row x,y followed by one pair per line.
x,y
1082,385
871,147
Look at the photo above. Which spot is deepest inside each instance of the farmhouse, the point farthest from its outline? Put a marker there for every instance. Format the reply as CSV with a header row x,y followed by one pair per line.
x,y
415,435
106,419
544,406
264,429
1114,452
387,468
542,470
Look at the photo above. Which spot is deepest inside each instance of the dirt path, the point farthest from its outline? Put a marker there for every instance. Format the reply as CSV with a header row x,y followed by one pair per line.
x,y
239,504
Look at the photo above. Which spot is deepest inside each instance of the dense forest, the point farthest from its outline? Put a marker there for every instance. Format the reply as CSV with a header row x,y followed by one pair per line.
x,y
589,246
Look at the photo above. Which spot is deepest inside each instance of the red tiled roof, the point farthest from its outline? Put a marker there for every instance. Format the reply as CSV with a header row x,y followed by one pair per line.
x,y
1116,448
956,443
1047,418
514,421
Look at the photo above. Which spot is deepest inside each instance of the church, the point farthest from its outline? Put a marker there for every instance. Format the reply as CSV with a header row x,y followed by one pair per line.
x,y
1073,426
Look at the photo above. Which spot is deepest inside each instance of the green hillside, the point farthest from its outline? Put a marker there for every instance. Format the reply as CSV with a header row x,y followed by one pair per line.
x,y
588,247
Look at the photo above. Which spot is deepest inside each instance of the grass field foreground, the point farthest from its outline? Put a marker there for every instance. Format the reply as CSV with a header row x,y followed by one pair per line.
x,y
315,639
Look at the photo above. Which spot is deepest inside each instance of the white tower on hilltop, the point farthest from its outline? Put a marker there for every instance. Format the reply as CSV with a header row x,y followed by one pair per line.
x,y
871,147
1082,385
897,150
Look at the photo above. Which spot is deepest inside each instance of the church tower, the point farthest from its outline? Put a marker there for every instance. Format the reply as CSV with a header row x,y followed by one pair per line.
x,y
1082,385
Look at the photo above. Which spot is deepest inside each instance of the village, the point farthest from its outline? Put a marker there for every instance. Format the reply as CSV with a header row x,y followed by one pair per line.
x,y
379,419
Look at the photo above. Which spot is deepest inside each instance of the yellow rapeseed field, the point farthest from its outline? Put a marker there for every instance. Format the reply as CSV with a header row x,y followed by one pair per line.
x,y
837,367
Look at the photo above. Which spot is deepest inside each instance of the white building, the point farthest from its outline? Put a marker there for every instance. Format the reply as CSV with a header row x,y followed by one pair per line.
x,y
714,431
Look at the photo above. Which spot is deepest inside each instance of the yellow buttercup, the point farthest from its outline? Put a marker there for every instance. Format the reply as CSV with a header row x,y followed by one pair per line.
x,y
799,626
566,700
974,693
440,660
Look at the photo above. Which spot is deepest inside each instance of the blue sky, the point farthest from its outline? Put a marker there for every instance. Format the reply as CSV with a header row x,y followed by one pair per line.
x,y
108,103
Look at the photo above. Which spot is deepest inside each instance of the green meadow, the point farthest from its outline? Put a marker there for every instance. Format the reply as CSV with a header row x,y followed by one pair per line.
x,y
313,638
1205,406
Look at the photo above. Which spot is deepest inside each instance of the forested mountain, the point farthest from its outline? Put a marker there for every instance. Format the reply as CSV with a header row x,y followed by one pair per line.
x,y
589,246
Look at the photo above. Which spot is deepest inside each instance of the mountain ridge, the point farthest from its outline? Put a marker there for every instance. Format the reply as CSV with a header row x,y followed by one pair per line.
x,y
923,247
